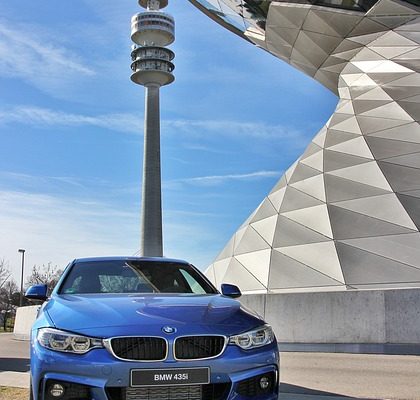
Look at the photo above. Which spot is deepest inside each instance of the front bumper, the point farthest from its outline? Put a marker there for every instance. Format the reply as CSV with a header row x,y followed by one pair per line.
x,y
234,375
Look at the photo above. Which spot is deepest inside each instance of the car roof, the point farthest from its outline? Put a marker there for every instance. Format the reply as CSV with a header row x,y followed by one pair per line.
x,y
160,260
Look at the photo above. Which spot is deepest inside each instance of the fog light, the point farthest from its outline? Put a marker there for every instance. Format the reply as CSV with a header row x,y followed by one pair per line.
x,y
57,390
264,383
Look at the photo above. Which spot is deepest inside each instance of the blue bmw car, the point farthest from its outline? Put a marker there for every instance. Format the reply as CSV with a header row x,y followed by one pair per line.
x,y
130,328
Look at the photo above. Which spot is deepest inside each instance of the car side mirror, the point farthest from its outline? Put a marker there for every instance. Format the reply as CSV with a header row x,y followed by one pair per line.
x,y
37,292
231,290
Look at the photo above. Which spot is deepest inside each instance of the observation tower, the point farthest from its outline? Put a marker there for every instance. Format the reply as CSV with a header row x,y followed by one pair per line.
x,y
152,67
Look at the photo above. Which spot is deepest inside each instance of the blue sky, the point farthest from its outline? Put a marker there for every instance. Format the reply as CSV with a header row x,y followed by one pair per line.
x,y
71,127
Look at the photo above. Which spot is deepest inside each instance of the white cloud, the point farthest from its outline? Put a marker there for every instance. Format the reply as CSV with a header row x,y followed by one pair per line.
x,y
231,128
133,123
213,180
200,147
57,229
36,116
37,181
38,58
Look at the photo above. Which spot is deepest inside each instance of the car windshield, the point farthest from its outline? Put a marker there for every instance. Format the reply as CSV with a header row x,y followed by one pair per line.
x,y
134,277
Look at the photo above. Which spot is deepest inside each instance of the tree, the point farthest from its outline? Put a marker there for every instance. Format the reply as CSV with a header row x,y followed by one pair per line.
x,y
9,300
4,272
47,275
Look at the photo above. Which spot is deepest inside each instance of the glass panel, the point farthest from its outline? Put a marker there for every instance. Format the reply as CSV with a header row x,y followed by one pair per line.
x,y
134,276
235,21
254,12
211,5
415,2
356,5
193,283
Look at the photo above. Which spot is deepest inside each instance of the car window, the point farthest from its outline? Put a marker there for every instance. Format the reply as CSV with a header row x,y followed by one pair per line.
x,y
193,283
134,277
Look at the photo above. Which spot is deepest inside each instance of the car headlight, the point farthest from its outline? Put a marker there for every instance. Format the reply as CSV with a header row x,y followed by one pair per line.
x,y
255,338
57,340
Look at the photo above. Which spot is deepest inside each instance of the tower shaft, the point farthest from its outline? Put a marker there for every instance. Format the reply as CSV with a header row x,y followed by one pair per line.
x,y
152,67
151,213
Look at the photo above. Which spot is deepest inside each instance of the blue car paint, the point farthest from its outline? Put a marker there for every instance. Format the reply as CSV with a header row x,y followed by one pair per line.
x,y
117,315
110,315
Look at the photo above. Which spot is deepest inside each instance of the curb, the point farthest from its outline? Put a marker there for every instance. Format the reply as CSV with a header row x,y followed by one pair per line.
x,y
14,379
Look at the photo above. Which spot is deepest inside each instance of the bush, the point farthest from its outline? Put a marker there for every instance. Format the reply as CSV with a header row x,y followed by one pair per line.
x,y
10,324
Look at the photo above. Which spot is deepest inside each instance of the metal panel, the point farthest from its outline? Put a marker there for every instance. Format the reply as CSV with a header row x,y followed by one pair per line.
x,y
358,181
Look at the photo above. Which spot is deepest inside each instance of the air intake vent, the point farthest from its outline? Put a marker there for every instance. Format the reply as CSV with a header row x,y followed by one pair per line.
x,y
139,348
199,347
192,392
218,391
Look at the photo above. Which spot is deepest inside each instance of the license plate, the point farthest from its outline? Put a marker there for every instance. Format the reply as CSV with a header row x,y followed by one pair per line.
x,y
168,377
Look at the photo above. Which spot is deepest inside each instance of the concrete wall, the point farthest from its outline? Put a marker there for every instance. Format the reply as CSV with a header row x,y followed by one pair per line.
x,y
367,316
25,317
352,317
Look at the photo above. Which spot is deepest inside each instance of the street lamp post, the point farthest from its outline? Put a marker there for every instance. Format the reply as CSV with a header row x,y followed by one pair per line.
x,y
22,251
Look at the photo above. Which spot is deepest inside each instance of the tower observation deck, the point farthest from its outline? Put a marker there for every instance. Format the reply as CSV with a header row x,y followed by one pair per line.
x,y
152,67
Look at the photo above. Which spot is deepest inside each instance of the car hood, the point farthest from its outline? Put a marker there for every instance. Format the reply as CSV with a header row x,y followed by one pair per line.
x,y
116,315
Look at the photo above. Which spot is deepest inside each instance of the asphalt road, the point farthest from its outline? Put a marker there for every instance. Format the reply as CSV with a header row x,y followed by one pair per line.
x,y
304,376
351,375
14,354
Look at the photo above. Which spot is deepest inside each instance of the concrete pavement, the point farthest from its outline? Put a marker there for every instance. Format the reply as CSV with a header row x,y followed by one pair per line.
x,y
304,376
352,375
14,361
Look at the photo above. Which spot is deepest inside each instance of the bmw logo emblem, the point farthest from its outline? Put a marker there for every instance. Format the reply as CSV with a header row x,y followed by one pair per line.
x,y
168,329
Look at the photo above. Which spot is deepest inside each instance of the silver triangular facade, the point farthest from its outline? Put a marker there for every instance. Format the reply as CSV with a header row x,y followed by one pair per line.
x,y
346,214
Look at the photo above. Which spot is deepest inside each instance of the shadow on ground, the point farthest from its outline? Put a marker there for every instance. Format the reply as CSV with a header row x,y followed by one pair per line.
x,y
14,364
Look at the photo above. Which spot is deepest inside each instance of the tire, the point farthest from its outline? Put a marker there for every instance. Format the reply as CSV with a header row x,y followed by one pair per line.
x,y
31,395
